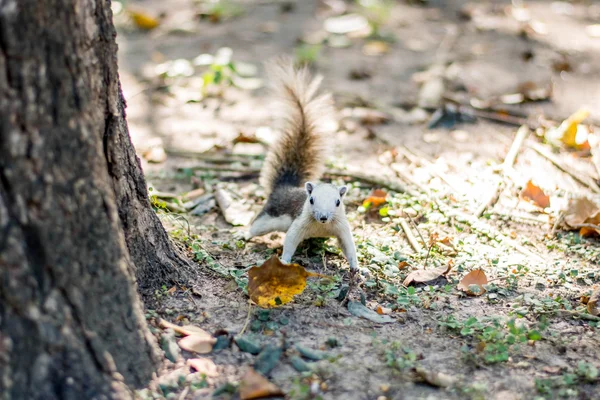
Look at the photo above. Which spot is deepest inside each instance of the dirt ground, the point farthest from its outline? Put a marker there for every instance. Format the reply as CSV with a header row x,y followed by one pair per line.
x,y
528,336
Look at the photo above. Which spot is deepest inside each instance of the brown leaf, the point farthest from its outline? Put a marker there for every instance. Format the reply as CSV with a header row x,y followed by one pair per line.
x,y
274,283
582,211
255,386
403,264
376,198
476,277
383,310
242,138
592,305
204,366
426,275
197,344
186,329
536,195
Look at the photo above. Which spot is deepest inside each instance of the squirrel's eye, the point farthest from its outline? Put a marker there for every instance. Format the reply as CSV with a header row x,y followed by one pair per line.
x,y
312,201
337,203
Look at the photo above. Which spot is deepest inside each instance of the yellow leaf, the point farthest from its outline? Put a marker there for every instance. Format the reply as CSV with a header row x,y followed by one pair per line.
x,y
143,20
567,131
274,283
536,195
476,277
592,304
255,386
376,198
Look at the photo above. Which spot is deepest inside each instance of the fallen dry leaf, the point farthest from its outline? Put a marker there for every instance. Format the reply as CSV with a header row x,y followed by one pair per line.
x,y
376,198
197,344
243,138
426,275
375,48
535,195
186,329
143,20
434,378
256,386
567,132
403,264
203,365
234,212
383,310
155,155
582,211
477,278
592,305
274,283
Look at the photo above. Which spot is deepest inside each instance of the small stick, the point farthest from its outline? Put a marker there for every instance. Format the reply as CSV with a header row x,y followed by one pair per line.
x,y
412,221
373,180
558,164
247,318
559,220
511,156
409,236
573,314
507,165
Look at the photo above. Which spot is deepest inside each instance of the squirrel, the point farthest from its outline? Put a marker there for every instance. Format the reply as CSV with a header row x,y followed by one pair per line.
x,y
295,204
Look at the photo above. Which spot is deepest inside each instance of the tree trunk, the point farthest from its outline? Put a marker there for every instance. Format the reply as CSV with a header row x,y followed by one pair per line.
x,y
71,193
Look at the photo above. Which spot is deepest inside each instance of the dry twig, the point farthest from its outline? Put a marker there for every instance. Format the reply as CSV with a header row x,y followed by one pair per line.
x,y
409,236
507,165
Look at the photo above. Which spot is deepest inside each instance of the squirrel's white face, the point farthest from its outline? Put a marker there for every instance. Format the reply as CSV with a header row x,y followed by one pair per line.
x,y
325,201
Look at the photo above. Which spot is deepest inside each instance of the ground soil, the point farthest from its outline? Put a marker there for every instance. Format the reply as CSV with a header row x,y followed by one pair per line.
x,y
449,171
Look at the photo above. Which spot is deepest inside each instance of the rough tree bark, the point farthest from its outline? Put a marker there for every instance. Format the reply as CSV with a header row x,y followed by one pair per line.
x,y
75,221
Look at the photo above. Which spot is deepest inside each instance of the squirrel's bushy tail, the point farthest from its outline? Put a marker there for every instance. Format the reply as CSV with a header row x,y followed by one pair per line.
x,y
299,154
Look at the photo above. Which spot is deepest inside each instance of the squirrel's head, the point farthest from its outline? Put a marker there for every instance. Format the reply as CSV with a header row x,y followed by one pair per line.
x,y
325,201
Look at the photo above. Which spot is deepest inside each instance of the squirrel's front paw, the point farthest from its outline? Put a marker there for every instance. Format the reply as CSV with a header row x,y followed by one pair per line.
x,y
242,235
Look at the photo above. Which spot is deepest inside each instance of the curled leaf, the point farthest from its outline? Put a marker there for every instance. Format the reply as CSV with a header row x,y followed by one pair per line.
x,y
376,198
592,305
143,20
256,386
358,309
197,344
186,329
203,365
274,283
435,378
569,132
581,211
536,195
472,283
426,275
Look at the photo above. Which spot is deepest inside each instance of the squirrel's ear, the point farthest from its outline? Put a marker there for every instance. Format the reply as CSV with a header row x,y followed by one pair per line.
x,y
309,187
343,190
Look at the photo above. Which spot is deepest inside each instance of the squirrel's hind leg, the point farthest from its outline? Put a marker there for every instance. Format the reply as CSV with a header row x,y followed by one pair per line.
x,y
266,223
